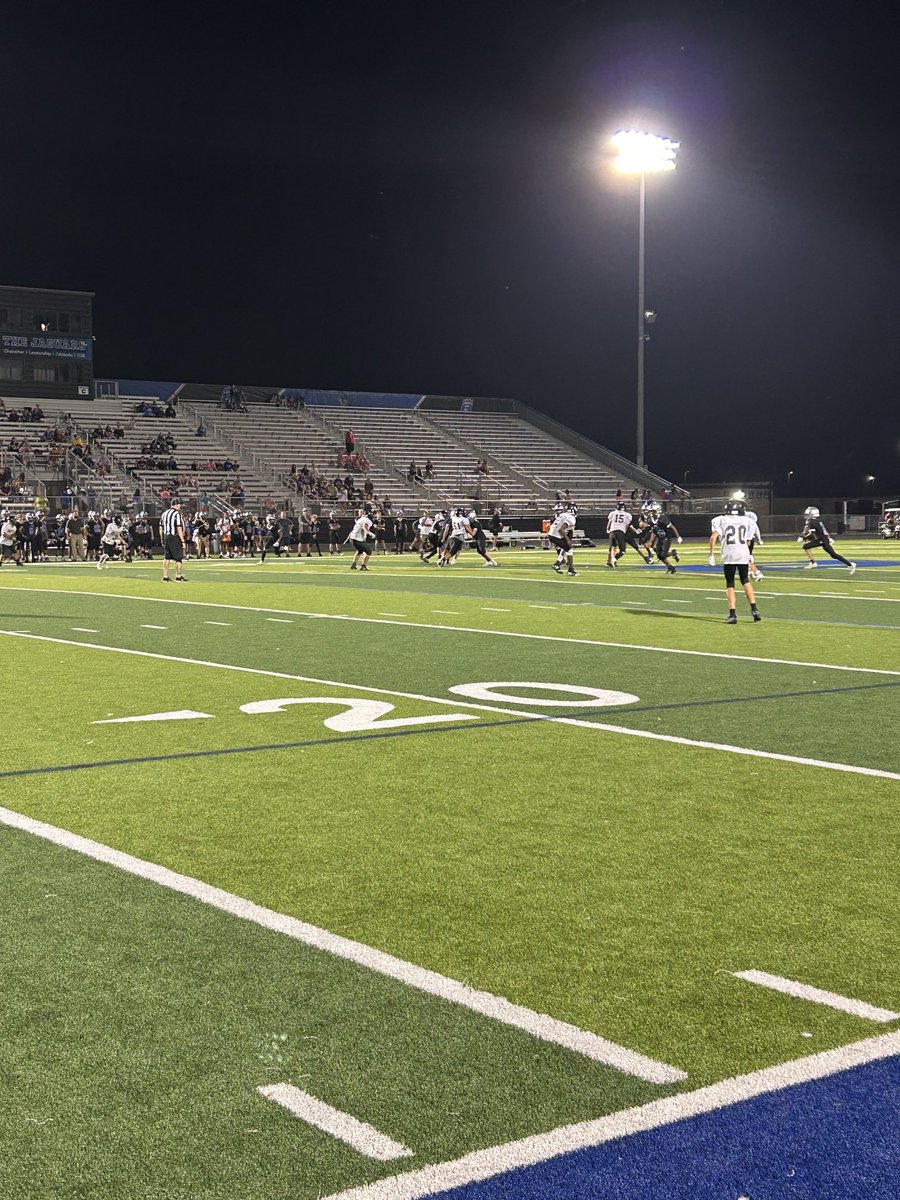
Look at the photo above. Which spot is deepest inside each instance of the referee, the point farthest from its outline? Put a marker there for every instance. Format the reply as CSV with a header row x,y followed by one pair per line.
x,y
173,538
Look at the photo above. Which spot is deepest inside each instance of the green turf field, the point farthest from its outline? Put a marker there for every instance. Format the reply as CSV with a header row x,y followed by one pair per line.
x,y
604,851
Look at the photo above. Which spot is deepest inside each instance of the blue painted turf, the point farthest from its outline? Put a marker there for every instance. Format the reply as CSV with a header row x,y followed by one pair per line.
x,y
833,1139
822,563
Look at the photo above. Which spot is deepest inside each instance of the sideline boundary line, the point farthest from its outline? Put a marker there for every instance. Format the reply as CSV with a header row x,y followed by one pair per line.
x,y
498,1008
602,726
539,637
541,1148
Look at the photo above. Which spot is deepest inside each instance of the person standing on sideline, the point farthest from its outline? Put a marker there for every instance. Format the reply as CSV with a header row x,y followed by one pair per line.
x,y
173,537
735,531
815,534
75,532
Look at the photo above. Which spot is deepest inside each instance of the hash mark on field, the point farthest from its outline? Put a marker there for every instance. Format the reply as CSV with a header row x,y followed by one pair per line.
x,y
669,600
384,614
496,610
548,607
805,991
280,620
154,627
446,612
340,1125
81,629
223,623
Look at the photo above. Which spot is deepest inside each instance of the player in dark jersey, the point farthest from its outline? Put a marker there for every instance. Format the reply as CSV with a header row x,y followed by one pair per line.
x,y
815,535
439,530
334,534
664,531
476,532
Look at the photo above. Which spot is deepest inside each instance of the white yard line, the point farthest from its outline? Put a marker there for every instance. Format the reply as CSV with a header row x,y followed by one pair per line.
x,y
538,637
804,991
601,727
539,1025
362,1137
542,1147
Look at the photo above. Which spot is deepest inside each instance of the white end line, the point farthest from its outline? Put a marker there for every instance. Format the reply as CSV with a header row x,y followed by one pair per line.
x,y
530,1151
805,991
546,1028
340,1125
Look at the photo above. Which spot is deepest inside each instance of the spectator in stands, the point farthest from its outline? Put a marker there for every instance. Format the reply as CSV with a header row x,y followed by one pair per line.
x,y
619,495
118,432
429,469
349,441
201,430
412,471
170,410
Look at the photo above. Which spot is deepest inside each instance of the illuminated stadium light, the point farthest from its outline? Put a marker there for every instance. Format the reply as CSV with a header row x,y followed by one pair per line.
x,y
643,153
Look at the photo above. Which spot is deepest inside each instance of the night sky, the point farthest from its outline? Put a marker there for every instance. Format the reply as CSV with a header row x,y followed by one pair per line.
x,y
415,197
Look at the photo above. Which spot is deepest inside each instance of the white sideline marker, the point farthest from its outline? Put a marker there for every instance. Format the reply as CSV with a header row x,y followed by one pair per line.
x,y
805,991
539,1025
340,1125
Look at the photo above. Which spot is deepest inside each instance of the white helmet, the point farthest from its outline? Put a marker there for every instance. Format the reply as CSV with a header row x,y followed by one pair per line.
x,y
811,512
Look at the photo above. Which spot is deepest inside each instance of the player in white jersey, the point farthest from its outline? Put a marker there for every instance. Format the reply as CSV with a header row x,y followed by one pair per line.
x,y
456,538
755,573
110,542
736,531
360,538
422,530
560,535
617,525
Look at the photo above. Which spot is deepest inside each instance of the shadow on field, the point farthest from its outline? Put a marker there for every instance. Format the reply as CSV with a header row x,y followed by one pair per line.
x,y
678,616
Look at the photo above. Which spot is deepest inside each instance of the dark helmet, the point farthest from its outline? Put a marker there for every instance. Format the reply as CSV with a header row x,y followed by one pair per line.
x,y
620,505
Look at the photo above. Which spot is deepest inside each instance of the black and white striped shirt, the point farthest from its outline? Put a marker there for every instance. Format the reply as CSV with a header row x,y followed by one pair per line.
x,y
171,523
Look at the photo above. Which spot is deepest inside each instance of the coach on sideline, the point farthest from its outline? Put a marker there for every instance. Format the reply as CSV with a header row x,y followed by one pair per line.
x,y
173,537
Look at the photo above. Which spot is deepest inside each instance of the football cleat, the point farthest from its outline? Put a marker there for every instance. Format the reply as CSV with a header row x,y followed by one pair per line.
x,y
731,619
557,568
852,568
757,616
571,571
809,566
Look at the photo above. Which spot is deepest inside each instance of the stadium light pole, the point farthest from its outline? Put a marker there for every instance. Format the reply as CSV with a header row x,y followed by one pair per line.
x,y
642,154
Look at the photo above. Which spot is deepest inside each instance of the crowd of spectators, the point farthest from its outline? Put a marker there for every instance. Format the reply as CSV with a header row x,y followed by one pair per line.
x,y
28,413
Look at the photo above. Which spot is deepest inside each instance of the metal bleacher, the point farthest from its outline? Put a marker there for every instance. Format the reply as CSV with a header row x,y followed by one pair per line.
x,y
552,465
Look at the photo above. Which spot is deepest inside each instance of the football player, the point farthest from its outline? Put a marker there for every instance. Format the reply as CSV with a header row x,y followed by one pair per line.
x,y
360,538
617,525
735,531
560,535
814,535
476,532
664,531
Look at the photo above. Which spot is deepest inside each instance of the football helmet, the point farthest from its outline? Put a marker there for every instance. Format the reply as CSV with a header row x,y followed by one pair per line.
x,y
620,505
811,512
735,508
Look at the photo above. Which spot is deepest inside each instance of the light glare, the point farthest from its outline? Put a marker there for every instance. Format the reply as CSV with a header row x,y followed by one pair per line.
x,y
643,153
